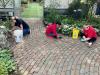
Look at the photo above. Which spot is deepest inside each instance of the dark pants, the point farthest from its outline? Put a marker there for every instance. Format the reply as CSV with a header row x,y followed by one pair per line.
x,y
93,39
26,31
52,35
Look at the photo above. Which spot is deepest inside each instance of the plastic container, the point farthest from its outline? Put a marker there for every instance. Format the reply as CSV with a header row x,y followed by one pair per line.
x,y
75,33
18,35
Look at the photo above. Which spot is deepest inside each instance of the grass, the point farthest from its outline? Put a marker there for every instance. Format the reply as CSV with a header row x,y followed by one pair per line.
x,y
33,10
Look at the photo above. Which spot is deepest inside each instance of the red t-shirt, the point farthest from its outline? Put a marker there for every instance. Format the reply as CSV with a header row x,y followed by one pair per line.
x,y
90,32
51,28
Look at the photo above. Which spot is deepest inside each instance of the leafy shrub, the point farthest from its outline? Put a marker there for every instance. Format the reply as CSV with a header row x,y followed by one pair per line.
x,y
53,16
24,1
79,24
6,23
64,21
3,69
6,58
95,22
73,6
67,21
66,30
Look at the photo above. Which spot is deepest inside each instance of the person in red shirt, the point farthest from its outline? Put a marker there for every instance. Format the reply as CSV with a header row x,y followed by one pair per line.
x,y
51,30
89,34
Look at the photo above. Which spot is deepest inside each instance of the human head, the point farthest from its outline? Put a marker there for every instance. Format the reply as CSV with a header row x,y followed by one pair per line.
x,y
58,24
86,26
14,18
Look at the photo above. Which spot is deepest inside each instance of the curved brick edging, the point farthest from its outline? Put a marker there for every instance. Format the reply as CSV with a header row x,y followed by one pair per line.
x,y
38,55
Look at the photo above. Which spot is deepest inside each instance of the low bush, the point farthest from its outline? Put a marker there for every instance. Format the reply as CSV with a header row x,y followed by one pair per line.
x,y
7,23
7,61
3,69
24,1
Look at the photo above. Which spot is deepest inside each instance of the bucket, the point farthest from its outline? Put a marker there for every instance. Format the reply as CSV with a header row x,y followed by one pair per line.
x,y
75,33
18,35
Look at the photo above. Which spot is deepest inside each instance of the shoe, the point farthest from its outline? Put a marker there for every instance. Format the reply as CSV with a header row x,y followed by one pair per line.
x,y
60,37
90,43
82,40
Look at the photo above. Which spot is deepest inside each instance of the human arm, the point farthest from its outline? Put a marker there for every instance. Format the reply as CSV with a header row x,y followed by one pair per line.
x,y
86,39
21,26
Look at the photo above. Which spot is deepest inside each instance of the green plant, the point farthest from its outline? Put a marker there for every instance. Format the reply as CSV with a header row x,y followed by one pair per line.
x,y
6,23
95,22
73,6
79,24
52,15
59,30
3,69
6,58
67,29
85,9
67,21
24,1
64,21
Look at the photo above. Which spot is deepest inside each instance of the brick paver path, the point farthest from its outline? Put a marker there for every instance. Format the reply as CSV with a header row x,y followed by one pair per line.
x,y
38,55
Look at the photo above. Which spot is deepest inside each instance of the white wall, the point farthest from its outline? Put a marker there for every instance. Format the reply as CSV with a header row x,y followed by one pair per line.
x,y
60,4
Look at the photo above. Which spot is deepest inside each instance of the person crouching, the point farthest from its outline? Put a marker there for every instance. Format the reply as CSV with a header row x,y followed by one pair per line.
x,y
89,34
51,30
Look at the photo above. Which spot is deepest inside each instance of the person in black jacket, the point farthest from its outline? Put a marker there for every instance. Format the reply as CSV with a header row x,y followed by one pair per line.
x,y
21,24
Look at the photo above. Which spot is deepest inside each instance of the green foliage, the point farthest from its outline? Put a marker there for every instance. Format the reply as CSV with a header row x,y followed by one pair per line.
x,y
3,69
67,31
6,58
85,9
6,23
91,2
73,6
53,16
64,21
68,21
24,1
95,22
79,24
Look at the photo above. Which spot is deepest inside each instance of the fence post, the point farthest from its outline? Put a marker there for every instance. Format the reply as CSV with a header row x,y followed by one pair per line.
x,y
17,7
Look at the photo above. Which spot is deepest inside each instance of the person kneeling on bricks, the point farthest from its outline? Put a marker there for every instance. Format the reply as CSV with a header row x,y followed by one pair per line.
x,y
88,34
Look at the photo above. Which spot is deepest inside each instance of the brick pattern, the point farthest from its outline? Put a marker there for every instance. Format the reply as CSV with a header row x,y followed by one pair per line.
x,y
39,55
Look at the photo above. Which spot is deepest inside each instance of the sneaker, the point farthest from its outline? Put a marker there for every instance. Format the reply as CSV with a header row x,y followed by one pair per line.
x,y
82,40
90,43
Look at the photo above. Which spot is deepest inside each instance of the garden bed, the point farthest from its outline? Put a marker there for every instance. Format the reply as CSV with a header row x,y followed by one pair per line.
x,y
68,23
7,63
77,15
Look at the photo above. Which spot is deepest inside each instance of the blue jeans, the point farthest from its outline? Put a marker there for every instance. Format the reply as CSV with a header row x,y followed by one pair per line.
x,y
26,31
